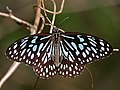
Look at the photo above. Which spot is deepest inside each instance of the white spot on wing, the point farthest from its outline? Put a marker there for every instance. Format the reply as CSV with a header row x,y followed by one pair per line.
x,y
29,53
15,46
23,46
94,49
32,56
102,43
23,52
84,55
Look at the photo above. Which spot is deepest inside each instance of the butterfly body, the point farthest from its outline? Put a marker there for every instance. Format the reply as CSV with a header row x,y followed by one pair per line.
x,y
56,40
60,53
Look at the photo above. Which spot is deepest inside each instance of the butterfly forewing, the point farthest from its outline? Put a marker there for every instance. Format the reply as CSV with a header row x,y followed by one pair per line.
x,y
29,49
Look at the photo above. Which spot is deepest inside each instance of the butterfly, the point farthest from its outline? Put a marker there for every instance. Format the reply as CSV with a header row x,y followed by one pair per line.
x,y
60,53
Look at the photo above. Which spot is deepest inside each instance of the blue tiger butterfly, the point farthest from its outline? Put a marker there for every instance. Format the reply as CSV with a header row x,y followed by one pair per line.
x,y
60,53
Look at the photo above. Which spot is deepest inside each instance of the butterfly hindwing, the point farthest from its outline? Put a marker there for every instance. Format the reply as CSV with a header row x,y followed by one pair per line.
x,y
46,68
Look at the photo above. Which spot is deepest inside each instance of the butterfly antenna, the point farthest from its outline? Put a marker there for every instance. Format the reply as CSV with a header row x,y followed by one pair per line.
x,y
64,20
35,83
91,76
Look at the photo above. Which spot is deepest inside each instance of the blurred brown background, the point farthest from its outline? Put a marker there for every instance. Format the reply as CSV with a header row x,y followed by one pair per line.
x,y
99,18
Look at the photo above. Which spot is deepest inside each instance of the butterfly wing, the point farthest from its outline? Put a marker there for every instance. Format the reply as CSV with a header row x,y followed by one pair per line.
x,y
76,50
47,68
36,51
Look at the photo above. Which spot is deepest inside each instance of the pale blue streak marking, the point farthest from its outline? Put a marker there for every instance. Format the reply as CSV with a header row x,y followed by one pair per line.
x,y
35,37
67,36
23,42
45,45
45,37
31,45
71,55
81,39
23,52
34,48
34,40
43,58
92,40
81,46
50,51
74,45
23,46
68,44
94,49
49,46
93,43
64,52
40,46
88,48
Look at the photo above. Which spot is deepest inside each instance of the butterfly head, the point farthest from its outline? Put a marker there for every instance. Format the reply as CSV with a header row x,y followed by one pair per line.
x,y
57,30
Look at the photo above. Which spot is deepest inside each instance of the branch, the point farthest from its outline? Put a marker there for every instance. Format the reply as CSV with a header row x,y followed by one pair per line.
x,y
11,70
116,50
17,20
43,23
33,30
58,12
54,15
38,13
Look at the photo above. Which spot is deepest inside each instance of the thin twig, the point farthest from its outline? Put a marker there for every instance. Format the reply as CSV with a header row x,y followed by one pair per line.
x,y
54,12
43,4
116,50
54,15
38,13
92,85
11,70
43,23
57,12
20,21
35,83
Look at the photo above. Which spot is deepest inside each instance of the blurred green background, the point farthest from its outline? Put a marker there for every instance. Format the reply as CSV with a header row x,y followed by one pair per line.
x,y
99,18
